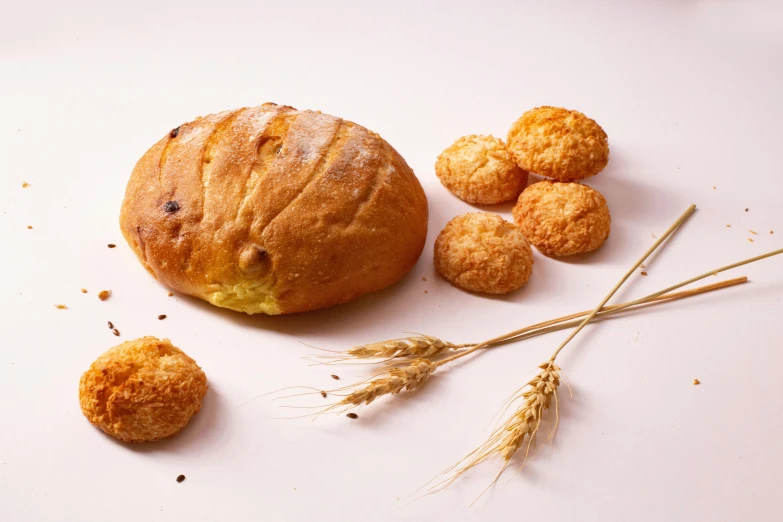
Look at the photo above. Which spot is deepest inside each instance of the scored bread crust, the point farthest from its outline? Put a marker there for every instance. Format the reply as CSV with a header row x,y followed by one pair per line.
x,y
273,210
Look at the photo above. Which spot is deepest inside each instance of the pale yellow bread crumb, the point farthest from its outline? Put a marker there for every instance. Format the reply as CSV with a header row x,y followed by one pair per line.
x,y
481,252
142,390
479,170
558,143
562,219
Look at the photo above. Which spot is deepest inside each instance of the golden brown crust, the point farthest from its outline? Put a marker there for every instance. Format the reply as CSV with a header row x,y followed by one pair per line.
x,y
274,210
479,170
142,390
561,219
558,143
482,252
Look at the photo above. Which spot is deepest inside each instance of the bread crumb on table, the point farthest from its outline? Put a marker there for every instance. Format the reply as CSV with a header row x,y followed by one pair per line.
x,y
171,294
104,294
180,478
423,278
728,226
29,227
84,290
116,332
696,381
644,273
61,307
351,415
753,232
161,317
335,377
25,184
751,240
111,245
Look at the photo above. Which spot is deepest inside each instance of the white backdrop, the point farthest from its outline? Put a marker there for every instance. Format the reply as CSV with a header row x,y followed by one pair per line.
x,y
690,95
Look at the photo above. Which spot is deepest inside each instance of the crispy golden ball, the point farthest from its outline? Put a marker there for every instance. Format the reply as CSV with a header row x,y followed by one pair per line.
x,y
561,219
479,170
558,143
482,252
142,390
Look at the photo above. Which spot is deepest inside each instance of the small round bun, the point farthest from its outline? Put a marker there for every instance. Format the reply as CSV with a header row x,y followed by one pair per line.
x,y
558,143
479,170
482,252
142,390
562,219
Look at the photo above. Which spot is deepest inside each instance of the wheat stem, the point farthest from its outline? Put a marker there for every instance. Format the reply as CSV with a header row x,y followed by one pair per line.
x,y
688,212
568,321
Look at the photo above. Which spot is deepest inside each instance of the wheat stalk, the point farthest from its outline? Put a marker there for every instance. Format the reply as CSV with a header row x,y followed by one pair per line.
x,y
539,392
430,346
526,421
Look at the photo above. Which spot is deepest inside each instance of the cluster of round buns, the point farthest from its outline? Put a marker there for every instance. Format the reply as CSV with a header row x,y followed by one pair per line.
x,y
560,217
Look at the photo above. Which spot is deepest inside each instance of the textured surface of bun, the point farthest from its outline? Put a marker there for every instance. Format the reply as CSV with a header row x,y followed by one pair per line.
x,y
273,210
142,390
558,143
479,170
561,219
482,252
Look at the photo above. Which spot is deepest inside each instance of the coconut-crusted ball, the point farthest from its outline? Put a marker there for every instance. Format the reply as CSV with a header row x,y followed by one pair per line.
x,y
561,219
482,252
479,170
142,390
558,143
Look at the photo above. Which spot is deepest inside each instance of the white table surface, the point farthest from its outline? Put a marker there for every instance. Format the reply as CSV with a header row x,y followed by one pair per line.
x,y
690,95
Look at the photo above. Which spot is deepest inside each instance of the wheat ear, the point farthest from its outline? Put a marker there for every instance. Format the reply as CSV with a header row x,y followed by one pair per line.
x,y
539,393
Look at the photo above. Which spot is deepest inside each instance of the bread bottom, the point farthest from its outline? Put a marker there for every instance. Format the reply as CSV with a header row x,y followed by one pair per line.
x,y
251,297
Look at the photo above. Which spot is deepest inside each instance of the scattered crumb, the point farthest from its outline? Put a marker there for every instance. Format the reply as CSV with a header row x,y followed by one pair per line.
x,y
111,245
61,307
323,394
642,266
425,292
171,294
116,332
111,325
84,290
771,232
423,278
728,226
161,317
29,227
644,273
104,294
653,236
753,232
714,187
696,381
746,210
352,415
25,184
751,240
335,377
180,478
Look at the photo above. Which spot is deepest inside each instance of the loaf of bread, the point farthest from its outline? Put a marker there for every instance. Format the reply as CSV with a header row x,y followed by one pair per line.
x,y
274,210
